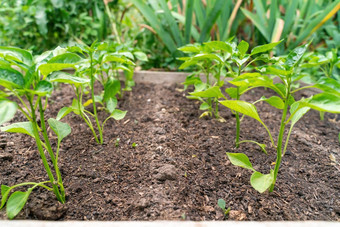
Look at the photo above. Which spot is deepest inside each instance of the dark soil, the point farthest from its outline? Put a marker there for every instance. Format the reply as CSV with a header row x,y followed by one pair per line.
x,y
179,168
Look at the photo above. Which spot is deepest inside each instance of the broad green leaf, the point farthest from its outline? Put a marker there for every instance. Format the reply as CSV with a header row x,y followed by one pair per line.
x,y
325,102
61,129
264,48
191,48
275,70
16,202
297,113
64,112
20,127
117,58
63,77
221,203
43,88
261,182
328,85
204,106
219,45
274,101
239,159
295,56
111,88
47,68
254,80
118,114
243,107
126,54
11,78
213,92
111,104
66,58
243,48
7,110
19,55
209,57
140,56
5,190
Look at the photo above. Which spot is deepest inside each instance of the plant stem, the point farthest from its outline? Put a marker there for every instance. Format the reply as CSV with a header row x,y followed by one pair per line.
x,y
93,100
279,142
42,154
49,148
84,116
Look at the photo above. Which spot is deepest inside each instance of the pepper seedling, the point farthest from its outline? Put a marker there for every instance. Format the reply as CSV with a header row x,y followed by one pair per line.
x,y
209,58
20,77
287,69
93,60
222,204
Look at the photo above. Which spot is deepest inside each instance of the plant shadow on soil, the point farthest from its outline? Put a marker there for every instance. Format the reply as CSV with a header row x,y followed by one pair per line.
x,y
179,168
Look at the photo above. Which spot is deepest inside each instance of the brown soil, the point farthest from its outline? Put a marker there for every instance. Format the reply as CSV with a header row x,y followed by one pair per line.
x,y
179,168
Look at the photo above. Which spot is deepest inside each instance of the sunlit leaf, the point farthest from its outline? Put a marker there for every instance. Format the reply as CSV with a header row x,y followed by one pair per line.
x,y
264,48
239,159
209,93
16,202
261,182
61,129
7,110
20,127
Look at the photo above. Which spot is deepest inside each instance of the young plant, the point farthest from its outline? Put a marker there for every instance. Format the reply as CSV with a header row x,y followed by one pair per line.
x,y
222,204
20,77
210,60
287,69
90,68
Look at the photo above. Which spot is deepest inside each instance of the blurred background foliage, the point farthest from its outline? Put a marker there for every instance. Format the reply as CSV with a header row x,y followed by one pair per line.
x,y
159,27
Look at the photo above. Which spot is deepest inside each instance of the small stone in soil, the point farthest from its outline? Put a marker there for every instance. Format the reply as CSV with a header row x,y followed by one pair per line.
x,y
166,172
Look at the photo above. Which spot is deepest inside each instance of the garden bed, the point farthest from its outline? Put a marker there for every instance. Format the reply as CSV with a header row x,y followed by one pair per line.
x,y
179,168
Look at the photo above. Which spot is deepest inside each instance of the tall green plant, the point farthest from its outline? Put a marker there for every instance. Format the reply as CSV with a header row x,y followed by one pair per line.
x,y
20,77
287,69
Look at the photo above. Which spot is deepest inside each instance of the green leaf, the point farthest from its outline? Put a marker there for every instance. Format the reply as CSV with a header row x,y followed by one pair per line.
x,y
140,56
221,203
111,104
66,58
118,114
243,107
151,16
242,48
264,48
191,48
111,88
11,78
16,202
295,56
17,54
117,58
241,160
7,110
261,182
30,76
256,20
47,68
64,112
325,102
211,57
204,106
328,85
61,129
274,101
43,88
5,190
213,92
20,127
63,77
219,46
